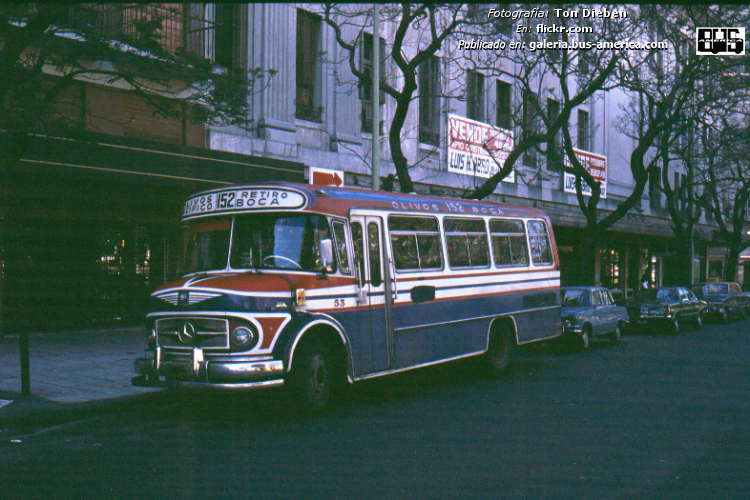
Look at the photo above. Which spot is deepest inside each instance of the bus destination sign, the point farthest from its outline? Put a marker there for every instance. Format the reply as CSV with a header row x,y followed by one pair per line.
x,y
237,200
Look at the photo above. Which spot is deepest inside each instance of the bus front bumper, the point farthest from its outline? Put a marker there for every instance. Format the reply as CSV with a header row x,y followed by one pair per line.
x,y
209,373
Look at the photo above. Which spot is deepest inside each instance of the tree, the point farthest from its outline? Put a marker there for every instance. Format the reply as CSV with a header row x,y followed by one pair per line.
x,y
724,176
46,47
661,85
420,32
708,90
550,82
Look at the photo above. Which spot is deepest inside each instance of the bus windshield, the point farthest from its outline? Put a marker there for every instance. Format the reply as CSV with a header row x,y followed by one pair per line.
x,y
258,241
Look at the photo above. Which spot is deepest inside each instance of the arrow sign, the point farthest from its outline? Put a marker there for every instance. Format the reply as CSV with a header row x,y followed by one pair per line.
x,y
326,177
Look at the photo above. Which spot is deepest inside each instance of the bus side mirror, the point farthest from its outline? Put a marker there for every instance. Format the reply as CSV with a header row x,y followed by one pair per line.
x,y
326,254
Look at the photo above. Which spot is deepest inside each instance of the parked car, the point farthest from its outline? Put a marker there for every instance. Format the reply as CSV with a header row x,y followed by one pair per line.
x,y
589,312
672,307
725,300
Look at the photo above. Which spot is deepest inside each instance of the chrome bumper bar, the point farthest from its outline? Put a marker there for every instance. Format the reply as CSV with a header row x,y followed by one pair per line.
x,y
194,371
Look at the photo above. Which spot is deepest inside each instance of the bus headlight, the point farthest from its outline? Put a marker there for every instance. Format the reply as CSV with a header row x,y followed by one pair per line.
x,y
244,336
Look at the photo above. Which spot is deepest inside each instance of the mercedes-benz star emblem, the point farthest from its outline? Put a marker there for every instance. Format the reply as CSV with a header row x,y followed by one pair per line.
x,y
187,333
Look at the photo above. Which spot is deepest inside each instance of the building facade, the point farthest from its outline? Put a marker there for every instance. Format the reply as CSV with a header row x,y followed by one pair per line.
x,y
314,111
91,217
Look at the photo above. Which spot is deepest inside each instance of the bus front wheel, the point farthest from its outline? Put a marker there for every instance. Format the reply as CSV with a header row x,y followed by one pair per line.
x,y
312,376
500,350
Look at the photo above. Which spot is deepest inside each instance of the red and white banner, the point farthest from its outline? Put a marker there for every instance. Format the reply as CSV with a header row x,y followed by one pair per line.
x,y
595,164
468,145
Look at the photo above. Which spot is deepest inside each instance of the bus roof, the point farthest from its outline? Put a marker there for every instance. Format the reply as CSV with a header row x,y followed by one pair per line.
x,y
336,201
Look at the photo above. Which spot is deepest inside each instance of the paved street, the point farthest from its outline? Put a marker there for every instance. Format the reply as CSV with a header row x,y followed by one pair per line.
x,y
656,417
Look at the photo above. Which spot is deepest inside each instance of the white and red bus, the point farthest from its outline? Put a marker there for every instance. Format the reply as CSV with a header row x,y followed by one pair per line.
x,y
314,286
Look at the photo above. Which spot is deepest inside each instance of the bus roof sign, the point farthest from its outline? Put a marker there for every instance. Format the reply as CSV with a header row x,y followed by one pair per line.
x,y
243,199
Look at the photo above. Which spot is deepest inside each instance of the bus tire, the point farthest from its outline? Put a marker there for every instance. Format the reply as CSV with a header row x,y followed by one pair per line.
x,y
500,350
318,377
313,375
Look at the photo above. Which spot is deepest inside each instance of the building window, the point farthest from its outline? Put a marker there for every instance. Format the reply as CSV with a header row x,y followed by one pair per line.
x,y
554,146
504,105
586,57
230,50
654,187
680,191
583,130
308,43
365,89
475,96
530,126
429,101
610,270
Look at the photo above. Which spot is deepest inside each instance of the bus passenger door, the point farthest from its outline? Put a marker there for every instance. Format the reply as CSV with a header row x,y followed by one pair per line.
x,y
376,291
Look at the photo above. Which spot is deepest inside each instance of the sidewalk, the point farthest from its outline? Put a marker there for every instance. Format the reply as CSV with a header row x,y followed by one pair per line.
x,y
70,367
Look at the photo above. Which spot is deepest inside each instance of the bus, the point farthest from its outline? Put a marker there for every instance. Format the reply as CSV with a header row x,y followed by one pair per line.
x,y
316,287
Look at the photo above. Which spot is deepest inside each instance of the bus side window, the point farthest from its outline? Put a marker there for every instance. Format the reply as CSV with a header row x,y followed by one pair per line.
x,y
373,237
339,234
415,242
467,243
358,243
508,243
541,250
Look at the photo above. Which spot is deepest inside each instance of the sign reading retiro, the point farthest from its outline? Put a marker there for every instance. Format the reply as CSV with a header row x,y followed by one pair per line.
x,y
468,145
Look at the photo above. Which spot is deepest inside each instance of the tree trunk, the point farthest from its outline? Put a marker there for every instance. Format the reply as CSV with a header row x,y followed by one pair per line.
x,y
730,271
587,271
394,138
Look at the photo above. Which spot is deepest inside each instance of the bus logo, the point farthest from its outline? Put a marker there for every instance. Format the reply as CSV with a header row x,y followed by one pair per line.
x,y
720,41
186,333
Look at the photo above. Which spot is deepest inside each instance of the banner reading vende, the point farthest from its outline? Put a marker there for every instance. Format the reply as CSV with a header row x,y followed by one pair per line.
x,y
467,154
596,166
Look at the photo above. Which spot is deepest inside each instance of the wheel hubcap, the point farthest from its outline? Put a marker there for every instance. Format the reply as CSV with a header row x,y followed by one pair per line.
x,y
317,377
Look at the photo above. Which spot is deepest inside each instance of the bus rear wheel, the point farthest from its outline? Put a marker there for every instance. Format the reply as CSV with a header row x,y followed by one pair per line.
x,y
500,351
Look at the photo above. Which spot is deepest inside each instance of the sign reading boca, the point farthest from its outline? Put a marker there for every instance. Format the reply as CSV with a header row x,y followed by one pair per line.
x,y
468,145
233,200
595,164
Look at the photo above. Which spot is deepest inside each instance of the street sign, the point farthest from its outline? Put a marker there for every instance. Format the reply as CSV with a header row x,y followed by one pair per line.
x,y
326,177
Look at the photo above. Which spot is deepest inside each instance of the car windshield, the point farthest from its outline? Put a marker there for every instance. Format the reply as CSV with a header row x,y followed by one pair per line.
x,y
258,241
713,289
660,294
574,298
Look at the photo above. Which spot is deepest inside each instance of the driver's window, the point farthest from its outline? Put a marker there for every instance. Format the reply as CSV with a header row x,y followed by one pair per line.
x,y
606,299
596,299
735,288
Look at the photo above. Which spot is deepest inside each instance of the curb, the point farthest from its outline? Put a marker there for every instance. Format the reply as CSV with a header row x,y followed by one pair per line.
x,y
25,413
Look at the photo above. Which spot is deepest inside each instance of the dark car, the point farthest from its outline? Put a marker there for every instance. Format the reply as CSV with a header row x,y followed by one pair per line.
x,y
725,300
671,307
588,312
